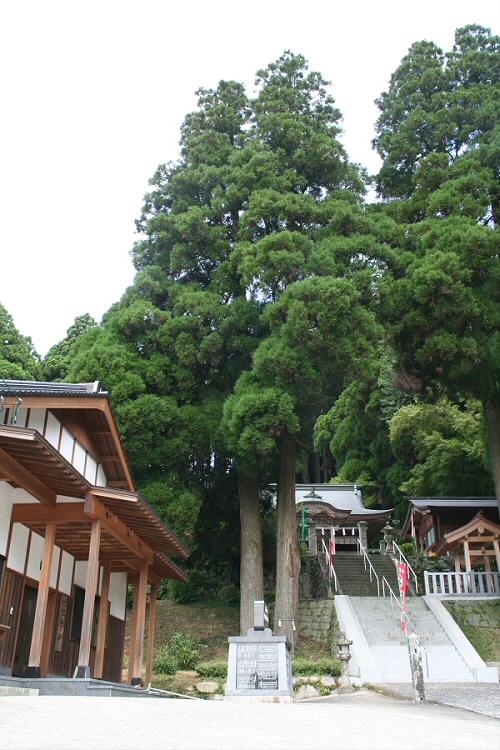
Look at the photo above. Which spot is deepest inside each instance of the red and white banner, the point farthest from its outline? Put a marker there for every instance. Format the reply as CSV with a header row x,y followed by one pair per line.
x,y
403,588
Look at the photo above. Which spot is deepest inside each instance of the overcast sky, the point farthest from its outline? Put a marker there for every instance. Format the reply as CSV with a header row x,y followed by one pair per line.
x,y
92,97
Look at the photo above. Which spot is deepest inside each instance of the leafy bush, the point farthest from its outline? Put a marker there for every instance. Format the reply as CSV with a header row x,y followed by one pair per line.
x,y
408,549
164,662
228,595
181,652
212,669
316,666
185,650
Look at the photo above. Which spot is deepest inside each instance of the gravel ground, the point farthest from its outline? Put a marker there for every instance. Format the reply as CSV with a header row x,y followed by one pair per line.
x,y
362,721
483,698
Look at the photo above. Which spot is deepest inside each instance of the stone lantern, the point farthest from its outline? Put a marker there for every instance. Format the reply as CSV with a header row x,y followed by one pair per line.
x,y
344,654
389,532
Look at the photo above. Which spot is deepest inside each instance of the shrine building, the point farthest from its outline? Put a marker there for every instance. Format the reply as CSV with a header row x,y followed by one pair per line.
x,y
74,536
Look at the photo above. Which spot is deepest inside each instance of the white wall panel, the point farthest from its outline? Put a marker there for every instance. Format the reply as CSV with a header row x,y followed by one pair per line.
x,y
52,430
35,557
21,496
118,594
67,443
20,417
54,567
101,477
90,469
18,547
81,573
79,457
6,499
66,575
67,499
37,420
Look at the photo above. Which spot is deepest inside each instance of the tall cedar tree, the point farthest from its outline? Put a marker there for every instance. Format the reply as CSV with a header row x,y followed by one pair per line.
x,y
438,136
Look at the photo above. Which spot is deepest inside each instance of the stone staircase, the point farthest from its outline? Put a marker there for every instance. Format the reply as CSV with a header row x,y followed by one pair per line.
x,y
354,580
382,629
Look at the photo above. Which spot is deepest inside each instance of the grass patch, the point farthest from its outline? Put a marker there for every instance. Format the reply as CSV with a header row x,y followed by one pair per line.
x,y
480,623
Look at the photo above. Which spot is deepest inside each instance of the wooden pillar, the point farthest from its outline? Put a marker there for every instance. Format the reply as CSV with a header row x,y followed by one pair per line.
x,y
103,621
496,546
468,565
133,626
41,602
138,633
83,668
151,634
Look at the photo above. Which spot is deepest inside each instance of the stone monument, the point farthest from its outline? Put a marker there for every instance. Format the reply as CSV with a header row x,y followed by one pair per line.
x,y
259,666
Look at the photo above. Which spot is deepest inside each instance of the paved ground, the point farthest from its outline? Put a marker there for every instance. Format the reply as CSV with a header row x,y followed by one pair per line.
x,y
483,698
363,721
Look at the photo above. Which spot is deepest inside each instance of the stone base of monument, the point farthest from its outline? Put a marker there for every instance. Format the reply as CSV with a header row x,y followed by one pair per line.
x,y
259,668
345,689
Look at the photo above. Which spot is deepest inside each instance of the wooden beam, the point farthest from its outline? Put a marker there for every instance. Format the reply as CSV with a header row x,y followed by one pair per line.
x,y
138,634
83,668
121,532
103,621
18,474
468,566
151,634
59,513
41,602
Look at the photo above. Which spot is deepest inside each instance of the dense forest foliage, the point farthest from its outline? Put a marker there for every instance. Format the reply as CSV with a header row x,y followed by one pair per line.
x,y
282,328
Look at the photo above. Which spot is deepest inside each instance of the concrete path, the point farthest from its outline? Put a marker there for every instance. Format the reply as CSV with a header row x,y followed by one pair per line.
x,y
484,698
363,721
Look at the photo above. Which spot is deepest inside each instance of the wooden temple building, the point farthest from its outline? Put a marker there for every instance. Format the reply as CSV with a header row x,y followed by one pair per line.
x,y
440,525
336,512
75,535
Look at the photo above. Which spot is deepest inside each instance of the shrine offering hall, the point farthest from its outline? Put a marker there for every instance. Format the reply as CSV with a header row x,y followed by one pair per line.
x,y
74,535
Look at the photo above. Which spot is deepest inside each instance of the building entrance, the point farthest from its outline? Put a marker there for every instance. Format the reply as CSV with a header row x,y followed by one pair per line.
x,y
25,632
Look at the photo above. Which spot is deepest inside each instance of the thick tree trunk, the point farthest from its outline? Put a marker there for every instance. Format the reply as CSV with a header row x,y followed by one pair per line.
x,y
492,414
251,565
287,548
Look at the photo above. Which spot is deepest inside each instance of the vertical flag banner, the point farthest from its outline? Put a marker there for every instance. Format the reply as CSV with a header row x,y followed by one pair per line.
x,y
402,569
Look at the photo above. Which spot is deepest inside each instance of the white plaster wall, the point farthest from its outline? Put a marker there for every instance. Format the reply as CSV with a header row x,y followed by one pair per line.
x,y
66,575
21,496
67,443
101,477
90,469
21,417
35,557
68,499
79,457
6,499
81,573
18,548
52,430
118,594
37,420
54,567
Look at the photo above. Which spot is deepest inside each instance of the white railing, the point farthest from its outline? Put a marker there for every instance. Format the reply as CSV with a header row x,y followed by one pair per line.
x,y
397,551
329,566
369,566
470,583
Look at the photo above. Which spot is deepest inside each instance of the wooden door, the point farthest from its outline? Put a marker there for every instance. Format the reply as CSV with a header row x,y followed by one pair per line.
x,y
25,631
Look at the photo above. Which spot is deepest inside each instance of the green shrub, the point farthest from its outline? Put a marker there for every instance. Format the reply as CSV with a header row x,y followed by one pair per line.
x,y
228,595
185,650
181,652
164,662
408,549
212,669
316,666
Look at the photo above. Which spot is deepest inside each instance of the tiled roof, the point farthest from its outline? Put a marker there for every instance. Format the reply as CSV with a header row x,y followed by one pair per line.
x,y
40,388
453,502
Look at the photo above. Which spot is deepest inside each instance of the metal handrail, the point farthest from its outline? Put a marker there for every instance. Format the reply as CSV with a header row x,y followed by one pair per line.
x,y
385,583
397,550
329,565
371,569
